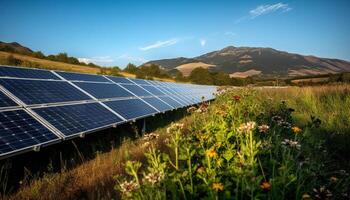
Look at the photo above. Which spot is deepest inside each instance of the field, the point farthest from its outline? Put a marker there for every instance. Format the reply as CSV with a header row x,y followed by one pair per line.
x,y
250,143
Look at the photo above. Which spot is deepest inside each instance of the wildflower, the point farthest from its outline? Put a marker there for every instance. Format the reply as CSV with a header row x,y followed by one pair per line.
x,y
210,153
306,196
322,193
333,179
218,186
174,126
154,177
263,128
191,109
150,137
249,126
296,129
291,144
128,186
146,144
265,185
201,169
236,98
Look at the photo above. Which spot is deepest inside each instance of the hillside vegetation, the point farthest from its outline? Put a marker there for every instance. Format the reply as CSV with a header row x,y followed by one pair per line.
x,y
251,143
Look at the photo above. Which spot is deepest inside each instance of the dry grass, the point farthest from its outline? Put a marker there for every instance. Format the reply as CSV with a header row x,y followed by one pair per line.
x,y
186,69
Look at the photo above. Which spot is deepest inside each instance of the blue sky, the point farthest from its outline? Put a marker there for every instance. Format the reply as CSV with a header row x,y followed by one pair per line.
x,y
117,32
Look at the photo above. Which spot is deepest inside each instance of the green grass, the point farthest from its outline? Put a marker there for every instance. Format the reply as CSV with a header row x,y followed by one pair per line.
x,y
217,152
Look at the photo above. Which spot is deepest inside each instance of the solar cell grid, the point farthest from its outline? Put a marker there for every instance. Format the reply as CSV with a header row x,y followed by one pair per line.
x,y
137,90
26,73
82,77
73,119
104,90
131,108
40,92
153,90
119,79
20,130
5,101
160,105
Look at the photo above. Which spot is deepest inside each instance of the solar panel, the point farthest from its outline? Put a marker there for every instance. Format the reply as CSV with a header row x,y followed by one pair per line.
x,y
5,101
82,77
170,101
152,90
131,108
104,90
140,81
160,105
18,72
119,79
78,118
137,90
19,130
39,92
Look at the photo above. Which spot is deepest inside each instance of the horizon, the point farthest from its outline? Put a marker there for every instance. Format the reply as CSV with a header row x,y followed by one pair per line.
x,y
117,33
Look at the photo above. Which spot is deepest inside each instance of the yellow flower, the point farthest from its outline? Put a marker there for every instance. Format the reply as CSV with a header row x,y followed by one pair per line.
x,y
265,185
218,187
210,153
296,129
306,196
334,179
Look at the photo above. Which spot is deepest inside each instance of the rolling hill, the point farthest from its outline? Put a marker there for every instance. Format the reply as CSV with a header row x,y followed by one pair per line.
x,y
248,61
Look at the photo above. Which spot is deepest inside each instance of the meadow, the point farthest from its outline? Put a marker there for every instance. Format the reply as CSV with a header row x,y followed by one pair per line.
x,y
250,143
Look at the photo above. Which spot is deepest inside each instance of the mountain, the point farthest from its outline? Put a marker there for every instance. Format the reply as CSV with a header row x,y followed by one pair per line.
x,y
249,61
15,47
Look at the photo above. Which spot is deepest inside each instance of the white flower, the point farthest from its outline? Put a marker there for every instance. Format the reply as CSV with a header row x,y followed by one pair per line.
x,y
154,177
263,128
291,144
249,126
128,186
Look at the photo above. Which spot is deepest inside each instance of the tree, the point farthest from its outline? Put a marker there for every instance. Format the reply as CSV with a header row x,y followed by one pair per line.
x,y
38,54
131,68
201,76
221,78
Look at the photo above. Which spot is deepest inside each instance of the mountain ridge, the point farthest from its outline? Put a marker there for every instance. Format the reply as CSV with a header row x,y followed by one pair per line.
x,y
266,60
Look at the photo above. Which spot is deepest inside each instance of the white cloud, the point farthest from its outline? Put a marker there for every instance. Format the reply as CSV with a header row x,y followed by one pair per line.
x,y
132,59
265,9
203,42
97,60
160,44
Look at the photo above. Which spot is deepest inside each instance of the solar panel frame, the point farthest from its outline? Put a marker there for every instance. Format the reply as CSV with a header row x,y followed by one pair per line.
x,y
158,103
117,79
6,102
43,91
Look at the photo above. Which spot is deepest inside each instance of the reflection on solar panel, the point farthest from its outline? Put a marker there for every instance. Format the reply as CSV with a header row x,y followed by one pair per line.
x,y
40,92
160,105
104,90
74,119
19,130
131,108
61,105
119,79
26,73
82,77
6,101
137,90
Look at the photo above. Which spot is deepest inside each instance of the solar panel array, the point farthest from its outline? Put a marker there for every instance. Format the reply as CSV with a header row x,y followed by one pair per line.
x,y
42,107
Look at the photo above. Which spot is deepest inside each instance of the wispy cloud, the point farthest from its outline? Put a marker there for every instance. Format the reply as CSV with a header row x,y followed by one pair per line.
x,y
265,9
203,42
97,60
160,44
132,59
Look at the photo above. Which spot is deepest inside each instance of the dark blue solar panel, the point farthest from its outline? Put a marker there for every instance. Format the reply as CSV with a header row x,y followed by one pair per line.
x,y
160,105
104,90
26,73
119,79
140,81
19,130
153,90
73,119
38,92
171,102
82,77
137,90
131,108
5,101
